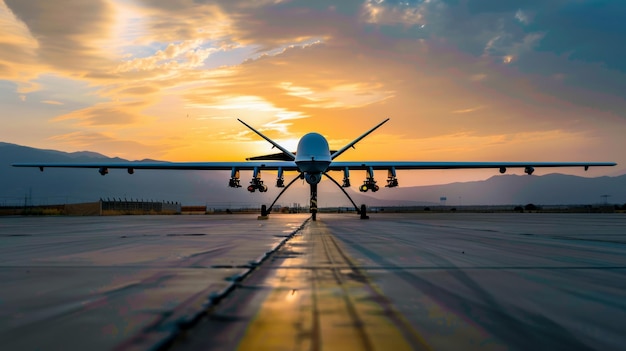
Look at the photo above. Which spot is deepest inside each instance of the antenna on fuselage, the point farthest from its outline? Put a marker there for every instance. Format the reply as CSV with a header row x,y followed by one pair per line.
x,y
343,149
285,151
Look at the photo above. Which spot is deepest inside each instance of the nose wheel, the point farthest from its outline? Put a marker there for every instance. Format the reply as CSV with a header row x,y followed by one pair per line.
x,y
313,205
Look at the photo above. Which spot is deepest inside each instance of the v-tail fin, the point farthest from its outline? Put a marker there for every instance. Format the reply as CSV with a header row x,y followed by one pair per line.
x,y
287,153
351,144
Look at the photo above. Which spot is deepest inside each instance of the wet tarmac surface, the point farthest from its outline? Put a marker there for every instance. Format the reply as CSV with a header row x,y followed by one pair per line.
x,y
499,281
76,283
410,281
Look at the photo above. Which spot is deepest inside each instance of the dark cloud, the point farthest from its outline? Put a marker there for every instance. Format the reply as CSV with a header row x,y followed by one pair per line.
x,y
570,50
591,31
289,22
584,30
480,7
66,31
268,24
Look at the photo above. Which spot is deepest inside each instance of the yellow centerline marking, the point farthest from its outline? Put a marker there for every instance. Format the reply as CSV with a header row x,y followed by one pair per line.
x,y
323,306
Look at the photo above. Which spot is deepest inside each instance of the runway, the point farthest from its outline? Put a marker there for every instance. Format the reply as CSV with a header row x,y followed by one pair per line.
x,y
409,281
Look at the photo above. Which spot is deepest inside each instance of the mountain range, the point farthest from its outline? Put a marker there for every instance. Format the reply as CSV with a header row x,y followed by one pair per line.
x,y
57,186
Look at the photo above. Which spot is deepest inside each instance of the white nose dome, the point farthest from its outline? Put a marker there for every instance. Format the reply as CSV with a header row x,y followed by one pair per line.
x,y
313,147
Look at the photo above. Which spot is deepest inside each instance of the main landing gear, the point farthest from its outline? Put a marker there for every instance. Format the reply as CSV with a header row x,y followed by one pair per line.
x,y
363,210
257,184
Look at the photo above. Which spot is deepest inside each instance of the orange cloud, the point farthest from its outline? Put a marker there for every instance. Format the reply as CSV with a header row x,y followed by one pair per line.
x,y
114,146
51,102
106,114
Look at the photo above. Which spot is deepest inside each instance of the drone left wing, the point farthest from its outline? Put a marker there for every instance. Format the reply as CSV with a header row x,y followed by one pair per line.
x,y
234,167
132,166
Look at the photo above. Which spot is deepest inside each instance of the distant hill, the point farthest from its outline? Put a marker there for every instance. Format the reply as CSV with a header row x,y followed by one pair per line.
x,y
54,186
550,189
82,185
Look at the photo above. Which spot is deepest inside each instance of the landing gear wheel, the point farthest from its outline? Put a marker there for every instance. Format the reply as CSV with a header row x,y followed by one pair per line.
x,y
363,212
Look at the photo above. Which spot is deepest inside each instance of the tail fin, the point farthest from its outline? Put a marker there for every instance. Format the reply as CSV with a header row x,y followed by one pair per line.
x,y
287,153
351,144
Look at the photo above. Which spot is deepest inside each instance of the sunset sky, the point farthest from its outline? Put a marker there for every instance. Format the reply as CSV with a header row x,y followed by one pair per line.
x,y
533,80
